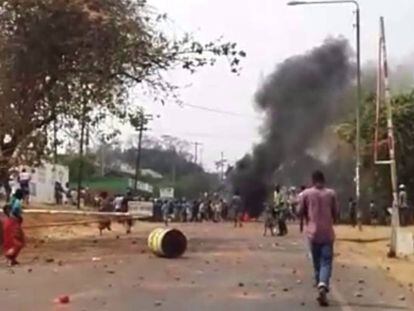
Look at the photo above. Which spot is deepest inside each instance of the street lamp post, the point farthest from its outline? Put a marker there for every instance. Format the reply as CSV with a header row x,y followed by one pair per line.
x,y
359,94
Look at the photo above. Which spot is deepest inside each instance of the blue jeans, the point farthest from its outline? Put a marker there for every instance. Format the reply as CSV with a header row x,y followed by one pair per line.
x,y
322,256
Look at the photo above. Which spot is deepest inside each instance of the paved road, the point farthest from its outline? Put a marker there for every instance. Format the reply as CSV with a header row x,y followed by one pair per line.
x,y
224,269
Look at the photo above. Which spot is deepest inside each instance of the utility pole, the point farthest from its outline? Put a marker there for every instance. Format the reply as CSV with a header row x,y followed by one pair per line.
x,y
384,94
81,147
196,145
201,157
357,116
138,160
220,166
359,94
140,125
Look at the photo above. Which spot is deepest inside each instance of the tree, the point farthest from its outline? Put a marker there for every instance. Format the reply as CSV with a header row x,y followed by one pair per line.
x,y
376,178
59,57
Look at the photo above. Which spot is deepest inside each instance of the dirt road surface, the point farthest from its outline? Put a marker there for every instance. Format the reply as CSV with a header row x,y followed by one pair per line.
x,y
224,269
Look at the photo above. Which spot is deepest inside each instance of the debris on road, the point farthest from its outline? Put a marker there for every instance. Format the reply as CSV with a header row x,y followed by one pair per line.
x,y
96,258
401,298
63,299
158,303
358,295
241,284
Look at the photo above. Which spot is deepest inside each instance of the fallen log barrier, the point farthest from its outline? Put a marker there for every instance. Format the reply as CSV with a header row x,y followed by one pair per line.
x,y
168,243
80,213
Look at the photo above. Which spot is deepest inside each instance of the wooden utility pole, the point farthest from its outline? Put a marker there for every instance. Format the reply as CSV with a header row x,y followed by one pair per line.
x,y
141,127
138,160
220,166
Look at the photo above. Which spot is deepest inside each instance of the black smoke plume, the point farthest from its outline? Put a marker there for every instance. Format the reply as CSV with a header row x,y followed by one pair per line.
x,y
299,99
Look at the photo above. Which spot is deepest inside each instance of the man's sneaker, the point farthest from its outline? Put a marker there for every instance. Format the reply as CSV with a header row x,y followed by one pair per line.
x,y
322,297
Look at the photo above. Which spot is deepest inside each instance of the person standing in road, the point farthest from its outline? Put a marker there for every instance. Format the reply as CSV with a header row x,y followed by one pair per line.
x,y
13,235
403,205
352,212
319,209
24,182
237,205
279,202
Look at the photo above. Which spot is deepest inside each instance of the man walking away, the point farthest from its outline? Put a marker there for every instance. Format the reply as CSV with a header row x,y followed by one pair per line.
x,y
319,208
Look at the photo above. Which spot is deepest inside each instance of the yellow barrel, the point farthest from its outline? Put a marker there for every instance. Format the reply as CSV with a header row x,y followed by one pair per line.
x,y
169,243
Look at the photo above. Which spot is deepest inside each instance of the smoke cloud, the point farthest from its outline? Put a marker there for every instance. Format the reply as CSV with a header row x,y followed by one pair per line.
x,y
300,99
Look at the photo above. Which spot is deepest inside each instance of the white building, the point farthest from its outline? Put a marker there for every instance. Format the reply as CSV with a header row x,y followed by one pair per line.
x,y
42,182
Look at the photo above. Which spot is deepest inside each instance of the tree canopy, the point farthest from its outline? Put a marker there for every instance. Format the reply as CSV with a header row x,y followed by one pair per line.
x,y
62,60
376,178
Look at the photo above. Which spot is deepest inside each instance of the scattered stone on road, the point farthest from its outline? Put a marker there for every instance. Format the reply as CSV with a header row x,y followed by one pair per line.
x,y
358,295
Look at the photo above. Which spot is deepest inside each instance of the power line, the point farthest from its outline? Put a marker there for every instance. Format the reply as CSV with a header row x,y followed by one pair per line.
x,y
219,111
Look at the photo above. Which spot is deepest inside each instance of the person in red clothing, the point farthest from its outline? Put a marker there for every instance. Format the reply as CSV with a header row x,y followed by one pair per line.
x,y
319,209
13,236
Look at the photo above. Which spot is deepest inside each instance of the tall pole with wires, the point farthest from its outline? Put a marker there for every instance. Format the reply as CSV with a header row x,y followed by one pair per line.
x,y
140,122
384,96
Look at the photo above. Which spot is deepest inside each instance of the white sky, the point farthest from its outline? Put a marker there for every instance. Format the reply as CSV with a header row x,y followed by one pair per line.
x,y
269,31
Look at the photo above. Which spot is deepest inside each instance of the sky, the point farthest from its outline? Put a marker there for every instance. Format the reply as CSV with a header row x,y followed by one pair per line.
x,y
269,31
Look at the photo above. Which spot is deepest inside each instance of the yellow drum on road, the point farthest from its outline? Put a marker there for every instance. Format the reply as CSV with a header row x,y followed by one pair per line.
x,y
169,243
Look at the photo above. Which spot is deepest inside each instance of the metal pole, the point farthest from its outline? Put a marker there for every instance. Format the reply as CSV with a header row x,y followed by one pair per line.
x,y
359,97
358,125
395,221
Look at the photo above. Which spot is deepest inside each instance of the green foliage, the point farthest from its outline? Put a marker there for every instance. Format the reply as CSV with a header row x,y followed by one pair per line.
x,y
89,168
195,184
376,178
75,61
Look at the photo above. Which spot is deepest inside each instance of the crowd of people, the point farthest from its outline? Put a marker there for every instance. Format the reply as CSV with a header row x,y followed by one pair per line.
x,y
382,214
208,208
117,203
281,208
